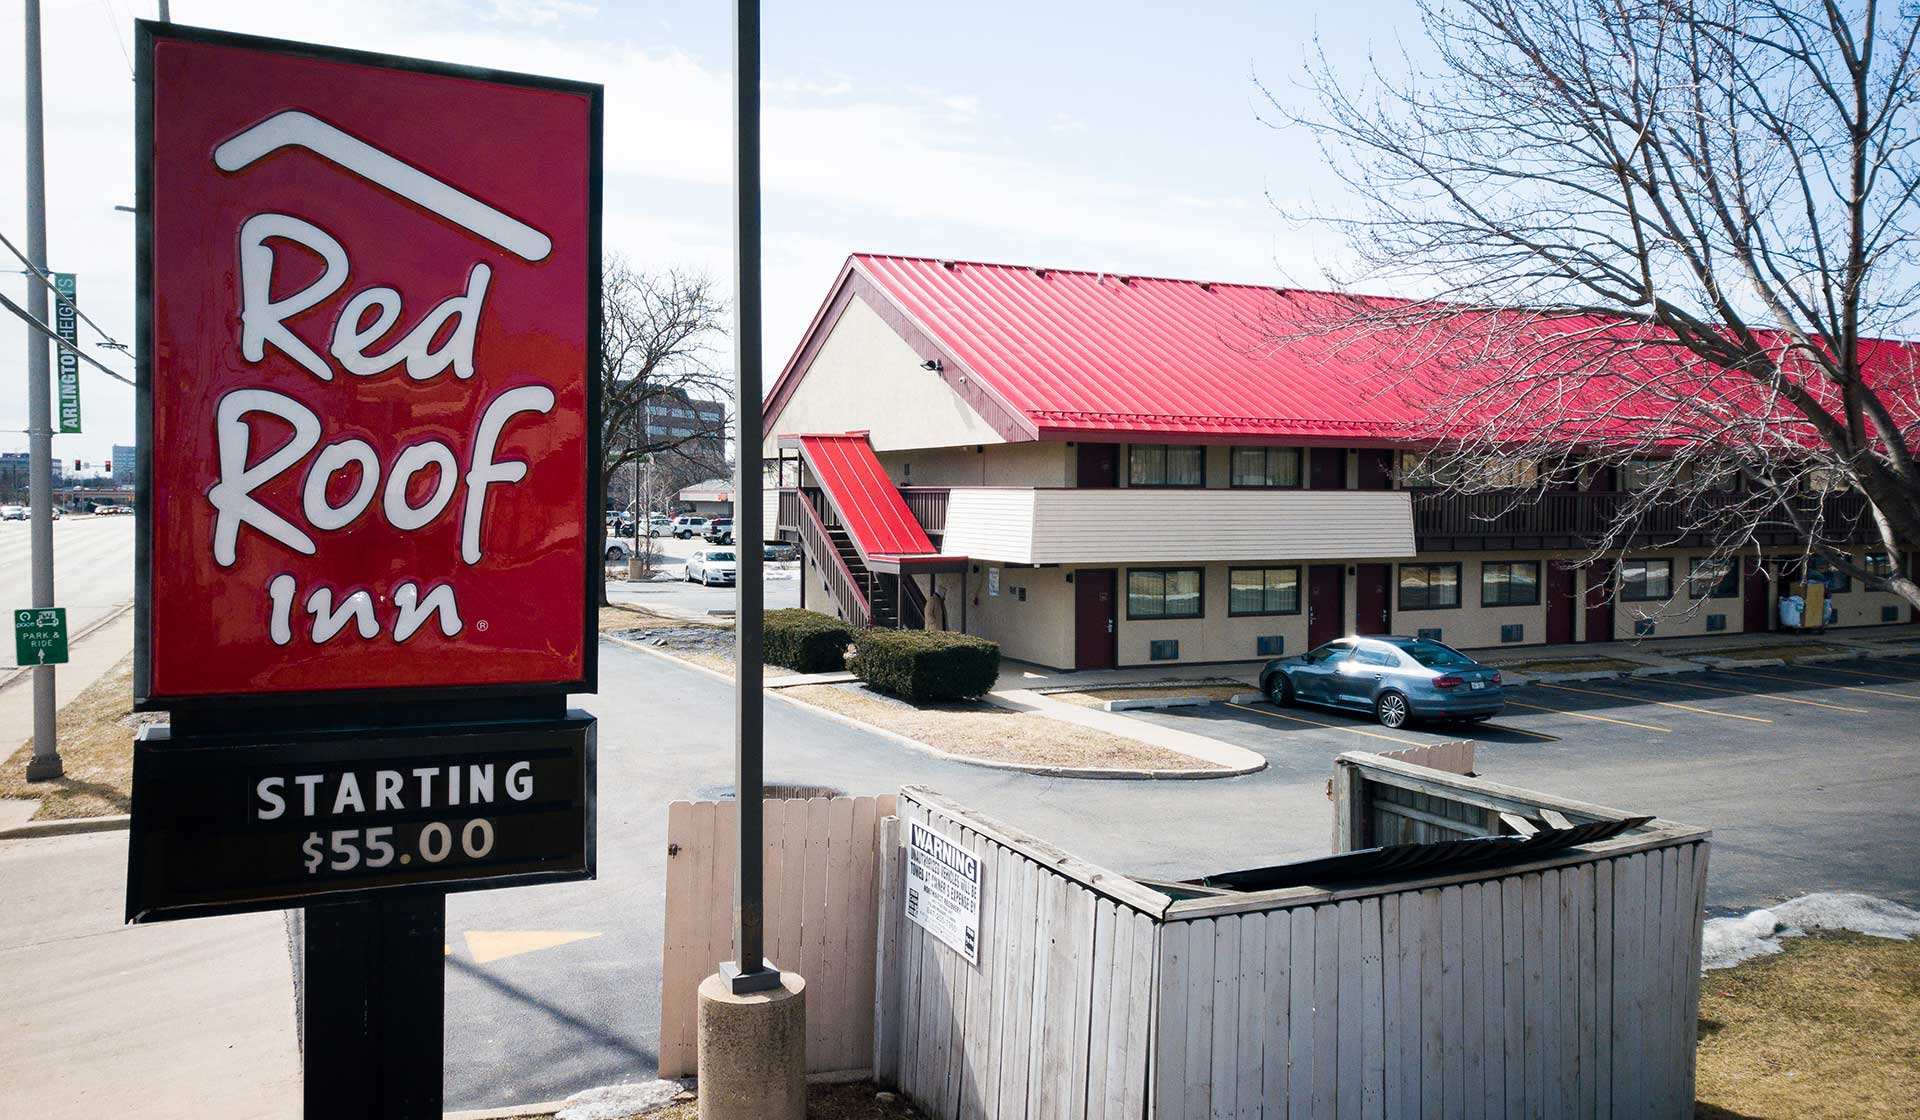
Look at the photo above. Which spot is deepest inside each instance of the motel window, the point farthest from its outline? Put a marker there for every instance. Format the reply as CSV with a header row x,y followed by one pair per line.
x,y
1429,587
1637,474
1420,470
1160,464
1879,563
1644,581
1269,467
1837,581
1713,579
1510,583
1253,591
1163,593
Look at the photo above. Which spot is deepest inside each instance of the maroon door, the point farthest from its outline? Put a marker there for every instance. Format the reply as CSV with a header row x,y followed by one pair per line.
x,y
1600,601
1094,606
1099,466
1327,468
1376,471
1326,603
1372,602
1755,588
1560,603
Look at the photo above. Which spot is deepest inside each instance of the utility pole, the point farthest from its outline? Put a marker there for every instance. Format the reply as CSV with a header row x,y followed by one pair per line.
x,y
45,764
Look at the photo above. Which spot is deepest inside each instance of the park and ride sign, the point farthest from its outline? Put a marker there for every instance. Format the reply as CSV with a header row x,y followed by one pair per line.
x,y
368,449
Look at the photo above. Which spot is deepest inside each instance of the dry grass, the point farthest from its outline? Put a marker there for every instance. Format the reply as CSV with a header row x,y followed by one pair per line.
x,y
1566,665
615,617
1094,697
96,745
987,731
1785,651
1830,1027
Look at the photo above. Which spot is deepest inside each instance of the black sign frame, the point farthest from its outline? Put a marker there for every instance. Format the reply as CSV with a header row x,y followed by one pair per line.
x,y
163,764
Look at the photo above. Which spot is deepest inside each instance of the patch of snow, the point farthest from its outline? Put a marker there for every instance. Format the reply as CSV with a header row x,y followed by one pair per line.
x,y
617,1102
1725,942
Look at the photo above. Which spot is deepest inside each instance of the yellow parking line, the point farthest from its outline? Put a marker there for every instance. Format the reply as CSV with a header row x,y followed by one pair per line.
x,y
1767,696
1334,726
1821,684
1662,703
1591,716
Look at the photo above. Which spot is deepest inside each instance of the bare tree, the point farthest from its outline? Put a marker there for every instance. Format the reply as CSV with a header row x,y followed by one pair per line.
x,y
1654,235
659,345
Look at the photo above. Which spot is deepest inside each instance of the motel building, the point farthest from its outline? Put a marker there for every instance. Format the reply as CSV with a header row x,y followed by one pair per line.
x,y
1098,471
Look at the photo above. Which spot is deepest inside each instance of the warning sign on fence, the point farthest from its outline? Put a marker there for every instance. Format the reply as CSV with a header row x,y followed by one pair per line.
x,y
943,890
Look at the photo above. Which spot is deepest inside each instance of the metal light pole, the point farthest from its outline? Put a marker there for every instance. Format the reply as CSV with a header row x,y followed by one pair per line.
x,y
749,970
45,763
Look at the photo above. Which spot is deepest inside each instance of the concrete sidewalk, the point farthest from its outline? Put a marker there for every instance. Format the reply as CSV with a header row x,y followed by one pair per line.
x,y
193,1020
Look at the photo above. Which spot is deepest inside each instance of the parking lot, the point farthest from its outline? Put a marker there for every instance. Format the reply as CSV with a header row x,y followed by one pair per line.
x,y
1781,762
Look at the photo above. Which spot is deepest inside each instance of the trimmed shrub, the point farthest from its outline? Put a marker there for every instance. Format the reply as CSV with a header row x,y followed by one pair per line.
x,y
922,665
807,641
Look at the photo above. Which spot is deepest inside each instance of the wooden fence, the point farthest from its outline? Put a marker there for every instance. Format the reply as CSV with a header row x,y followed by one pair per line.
x,y
1054,1019
1566,986
820,919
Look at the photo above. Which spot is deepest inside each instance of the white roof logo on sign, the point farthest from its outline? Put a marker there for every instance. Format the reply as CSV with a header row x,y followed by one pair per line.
x,y
295,129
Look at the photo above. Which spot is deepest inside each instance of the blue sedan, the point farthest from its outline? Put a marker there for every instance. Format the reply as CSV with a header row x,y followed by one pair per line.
x,y
1395,678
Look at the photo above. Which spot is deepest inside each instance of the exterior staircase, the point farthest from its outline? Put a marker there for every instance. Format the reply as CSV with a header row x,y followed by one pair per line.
x,y
881,605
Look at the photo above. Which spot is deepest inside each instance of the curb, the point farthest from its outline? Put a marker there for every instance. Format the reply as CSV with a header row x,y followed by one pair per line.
x,y
1246,698
1847,655
1665,670
928,748
1739,663
1154,703
72,827
541,1108
1574,678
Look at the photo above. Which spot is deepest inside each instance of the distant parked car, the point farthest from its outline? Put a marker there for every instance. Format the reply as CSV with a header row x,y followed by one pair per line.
x,y
658,526
779,551
112,511
711,566
1395,678
719,531
619,548
688,525
13,513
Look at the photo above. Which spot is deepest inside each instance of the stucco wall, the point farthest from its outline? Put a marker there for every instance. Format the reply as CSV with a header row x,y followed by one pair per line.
x,y
866,377
1039,630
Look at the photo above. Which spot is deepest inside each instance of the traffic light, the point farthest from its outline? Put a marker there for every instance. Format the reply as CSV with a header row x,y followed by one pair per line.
x,y
78,466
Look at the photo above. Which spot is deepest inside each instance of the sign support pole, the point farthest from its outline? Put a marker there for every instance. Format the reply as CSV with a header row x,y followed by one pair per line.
x,y
373,1007
45,764
749,971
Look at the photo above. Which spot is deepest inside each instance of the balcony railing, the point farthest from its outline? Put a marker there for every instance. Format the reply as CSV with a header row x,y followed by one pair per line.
x,y
928,504
1589,515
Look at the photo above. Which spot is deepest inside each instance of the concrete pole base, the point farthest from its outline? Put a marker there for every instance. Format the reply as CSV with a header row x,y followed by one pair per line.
x,y
753,1051
44,768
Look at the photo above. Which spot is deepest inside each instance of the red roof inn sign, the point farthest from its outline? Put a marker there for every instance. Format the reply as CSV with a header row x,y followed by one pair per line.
x,y
369,411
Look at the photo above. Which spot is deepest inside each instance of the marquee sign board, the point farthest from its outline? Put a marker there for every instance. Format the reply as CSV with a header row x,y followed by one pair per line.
x,y
369,425
222,828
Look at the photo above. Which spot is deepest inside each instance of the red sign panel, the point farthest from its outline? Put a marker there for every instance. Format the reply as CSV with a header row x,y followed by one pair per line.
x,y
369,424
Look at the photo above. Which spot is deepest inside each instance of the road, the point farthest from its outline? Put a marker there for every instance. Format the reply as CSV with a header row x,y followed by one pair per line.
x,y
1807,801
92,570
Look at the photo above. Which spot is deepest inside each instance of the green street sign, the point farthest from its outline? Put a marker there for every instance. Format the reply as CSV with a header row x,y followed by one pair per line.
x,y
40,635
66,325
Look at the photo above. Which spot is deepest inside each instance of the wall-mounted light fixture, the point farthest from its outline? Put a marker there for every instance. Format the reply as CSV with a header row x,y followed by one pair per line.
x,y
932,364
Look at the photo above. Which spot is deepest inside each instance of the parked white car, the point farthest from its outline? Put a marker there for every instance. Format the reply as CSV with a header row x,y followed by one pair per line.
x,y
689,525
13,513
619,548
659,525
712,566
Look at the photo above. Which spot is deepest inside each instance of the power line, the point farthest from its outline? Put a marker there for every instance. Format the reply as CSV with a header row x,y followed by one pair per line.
x,y
110,342
55,335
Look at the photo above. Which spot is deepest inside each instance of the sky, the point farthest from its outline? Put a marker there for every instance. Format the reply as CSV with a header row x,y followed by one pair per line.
x,y
1118,136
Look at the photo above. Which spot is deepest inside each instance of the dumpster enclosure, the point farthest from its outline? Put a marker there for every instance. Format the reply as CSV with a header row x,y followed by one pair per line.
x,y
1469,950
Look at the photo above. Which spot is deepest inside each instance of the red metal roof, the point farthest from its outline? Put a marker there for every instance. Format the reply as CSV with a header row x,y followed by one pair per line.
x,y
870,505
1091,354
